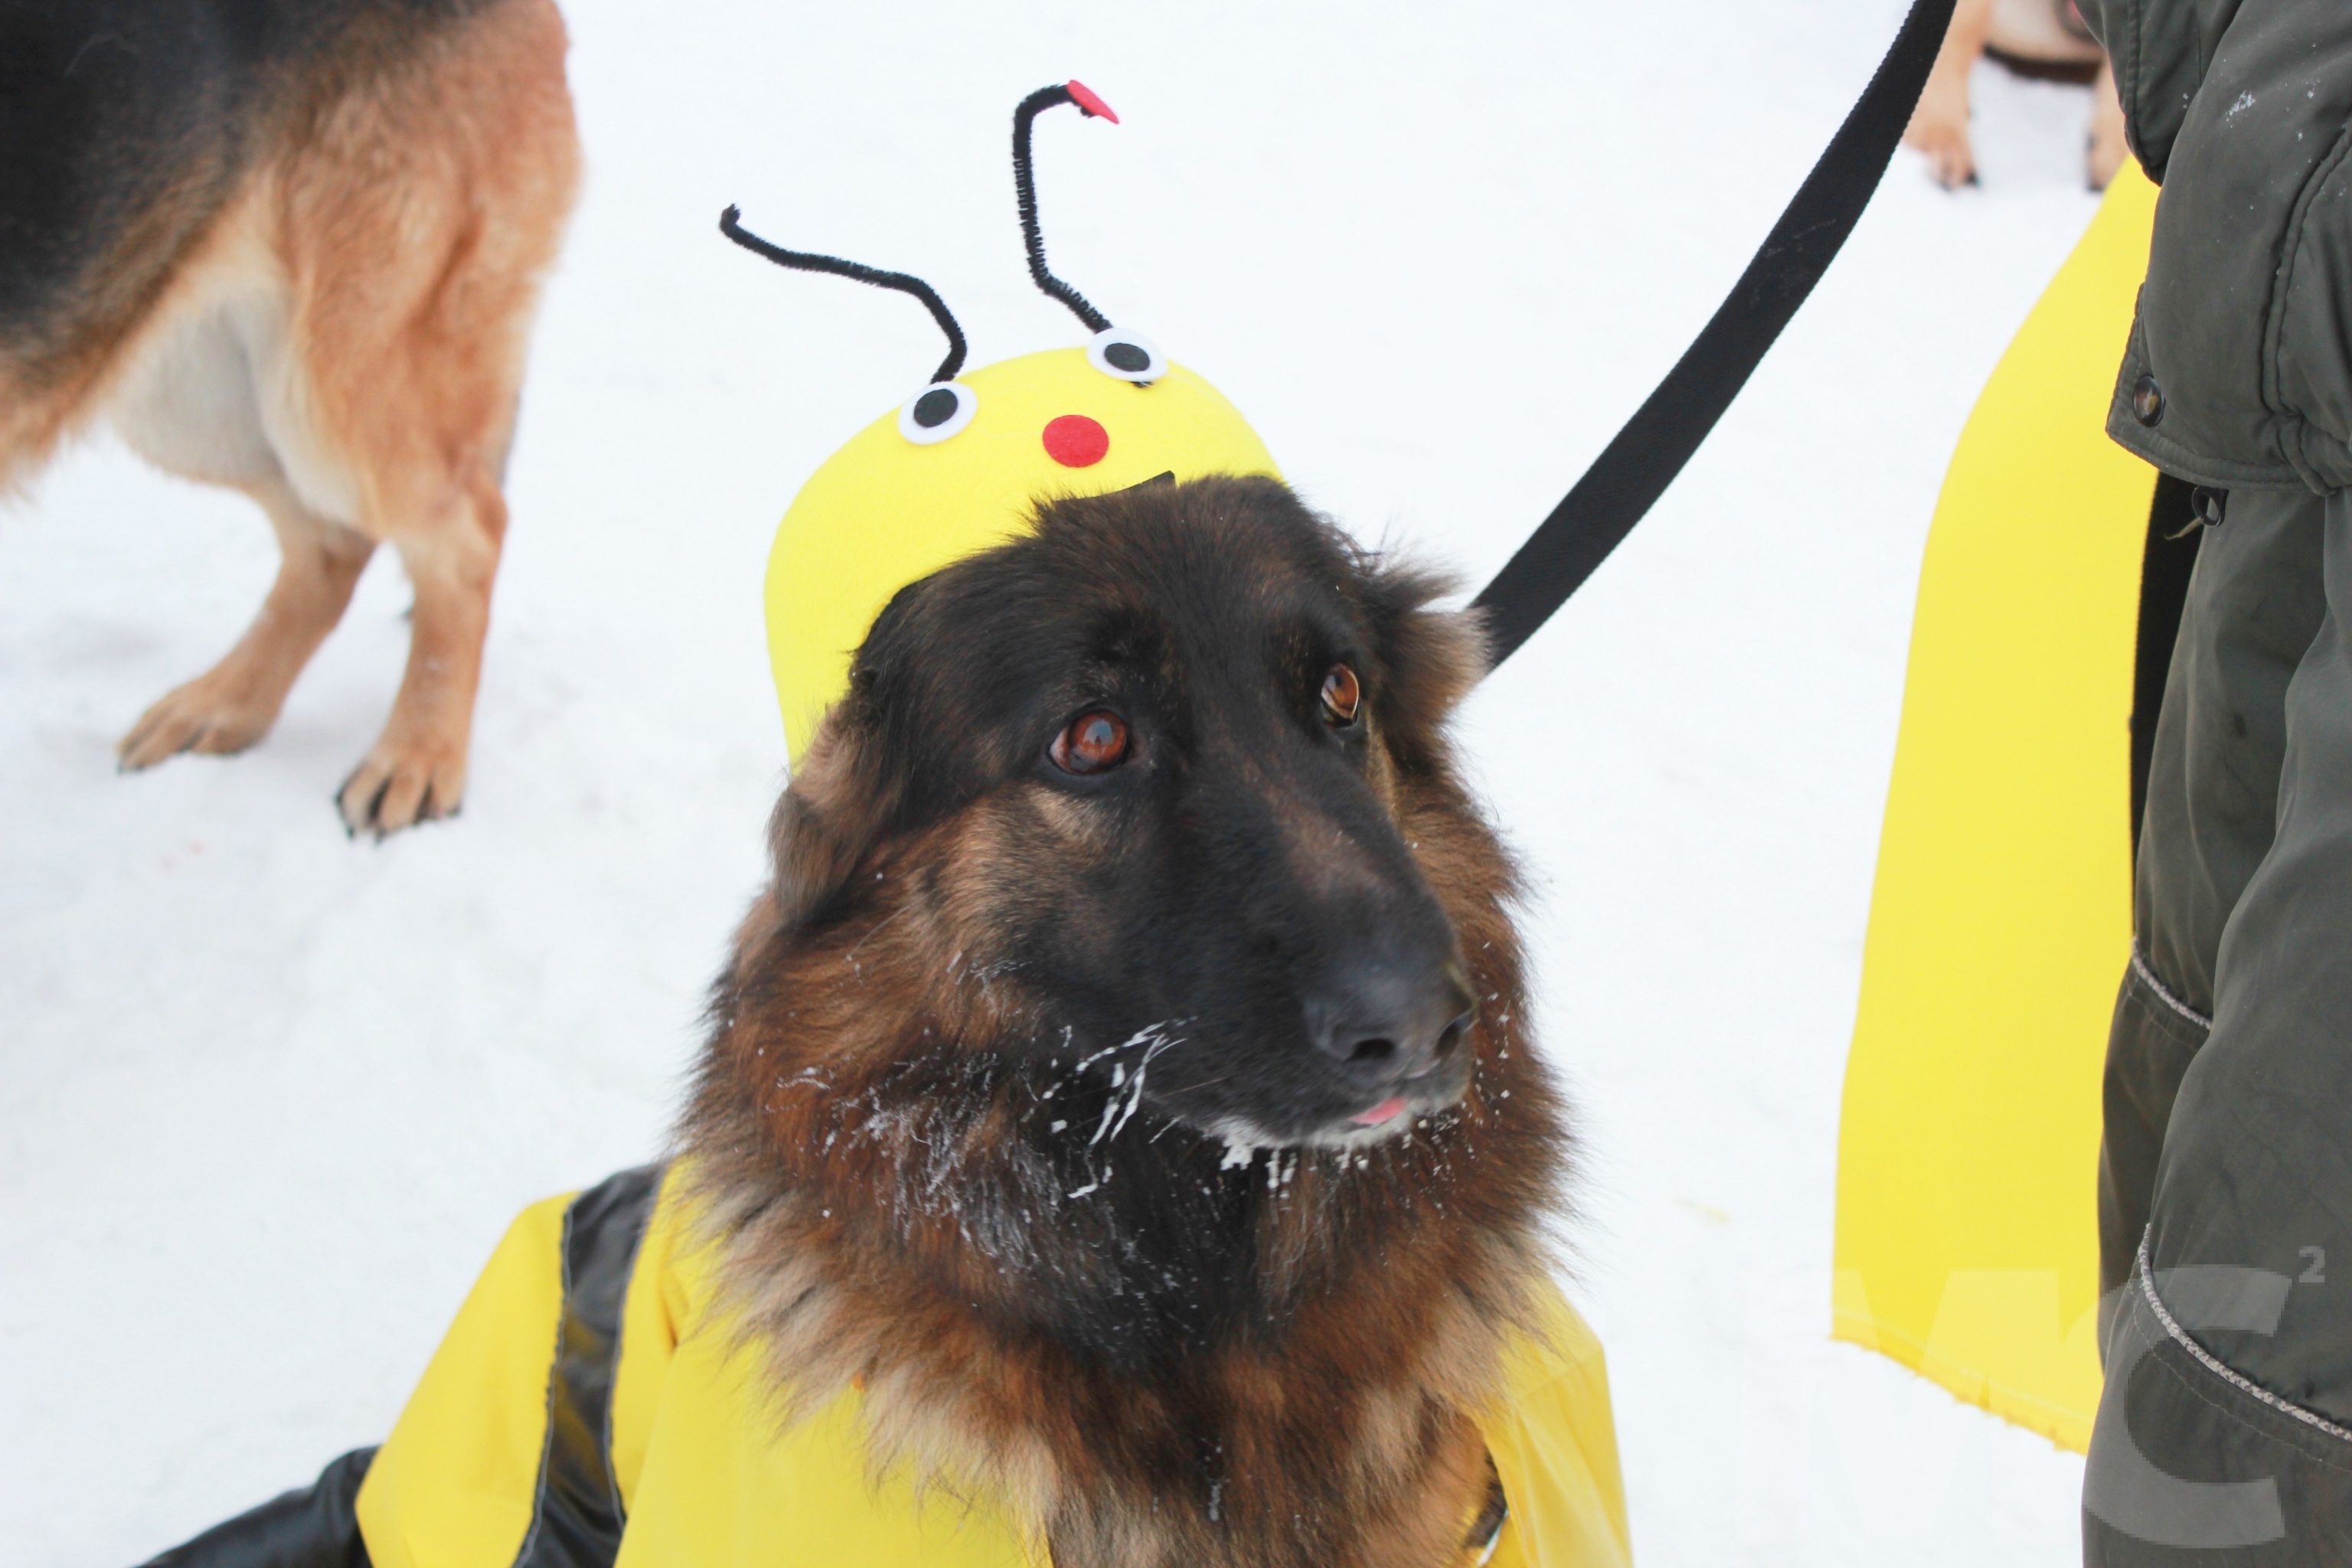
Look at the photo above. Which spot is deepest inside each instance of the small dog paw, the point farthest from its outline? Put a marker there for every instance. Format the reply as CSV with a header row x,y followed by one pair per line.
x,y
202,716
1950,159
401,783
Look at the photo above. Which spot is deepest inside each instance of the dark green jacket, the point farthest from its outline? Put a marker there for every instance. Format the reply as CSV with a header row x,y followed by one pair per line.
x,y
2239,375
2224,1433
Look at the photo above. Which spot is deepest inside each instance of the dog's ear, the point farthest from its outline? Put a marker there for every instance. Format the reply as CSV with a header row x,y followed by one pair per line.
x,y
834,812
843,794
1430,659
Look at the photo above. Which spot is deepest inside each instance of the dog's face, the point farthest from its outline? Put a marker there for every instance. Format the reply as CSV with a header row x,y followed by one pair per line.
x,y
1149,774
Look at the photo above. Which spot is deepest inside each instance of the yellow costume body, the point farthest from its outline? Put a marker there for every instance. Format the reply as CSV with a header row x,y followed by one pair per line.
x,y
1967,1220
707,1475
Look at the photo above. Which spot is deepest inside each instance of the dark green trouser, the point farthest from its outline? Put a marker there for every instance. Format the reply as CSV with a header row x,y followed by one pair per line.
x,y
2225,1179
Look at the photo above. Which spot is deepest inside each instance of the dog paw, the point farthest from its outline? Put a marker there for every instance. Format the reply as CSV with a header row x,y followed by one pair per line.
x,y
402,783
1950,159
204,715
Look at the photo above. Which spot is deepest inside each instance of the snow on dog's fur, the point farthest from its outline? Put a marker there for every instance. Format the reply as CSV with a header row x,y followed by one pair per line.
x,y
1047,1106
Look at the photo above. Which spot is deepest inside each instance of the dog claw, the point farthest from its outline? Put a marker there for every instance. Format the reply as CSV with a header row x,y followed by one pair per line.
x,y
397,787
1951,161
197,717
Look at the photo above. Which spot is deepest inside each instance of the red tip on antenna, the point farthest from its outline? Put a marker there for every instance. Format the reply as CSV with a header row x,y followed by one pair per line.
x,y
1089,102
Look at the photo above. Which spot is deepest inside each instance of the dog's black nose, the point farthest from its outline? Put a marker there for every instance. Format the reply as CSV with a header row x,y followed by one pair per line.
x,y
1384,1021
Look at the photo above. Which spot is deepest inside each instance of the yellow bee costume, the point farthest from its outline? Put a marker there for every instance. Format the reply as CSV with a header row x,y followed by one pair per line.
x,y
588,1406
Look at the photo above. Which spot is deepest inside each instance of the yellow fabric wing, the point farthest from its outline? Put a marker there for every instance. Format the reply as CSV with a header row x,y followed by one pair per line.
x,y
2000,918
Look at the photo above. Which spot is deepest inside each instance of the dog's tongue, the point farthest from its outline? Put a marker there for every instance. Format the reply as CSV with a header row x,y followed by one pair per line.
x,y
1387,1110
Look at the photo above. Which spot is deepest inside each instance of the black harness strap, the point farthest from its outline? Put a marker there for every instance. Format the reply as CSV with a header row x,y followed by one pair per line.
x,y
2165,564
1629,477
315,1526
576,1516
576,1519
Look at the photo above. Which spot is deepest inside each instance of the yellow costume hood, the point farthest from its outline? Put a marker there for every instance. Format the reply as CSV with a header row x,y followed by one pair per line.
x,y
886,510
963,464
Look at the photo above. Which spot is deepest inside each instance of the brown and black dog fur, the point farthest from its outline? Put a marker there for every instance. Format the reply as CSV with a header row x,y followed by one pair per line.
x,y
1033,1101
293,246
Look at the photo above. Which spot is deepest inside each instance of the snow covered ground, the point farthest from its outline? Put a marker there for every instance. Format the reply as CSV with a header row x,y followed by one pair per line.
x,y
267,1096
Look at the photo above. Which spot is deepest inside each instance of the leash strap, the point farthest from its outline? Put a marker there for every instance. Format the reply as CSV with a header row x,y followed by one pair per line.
x,y
1635,471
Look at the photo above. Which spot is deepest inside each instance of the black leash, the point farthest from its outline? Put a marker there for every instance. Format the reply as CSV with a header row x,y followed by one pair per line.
x,y
1628,477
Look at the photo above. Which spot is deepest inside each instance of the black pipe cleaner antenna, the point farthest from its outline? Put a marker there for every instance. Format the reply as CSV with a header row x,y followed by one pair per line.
x,y
1024,189
810,261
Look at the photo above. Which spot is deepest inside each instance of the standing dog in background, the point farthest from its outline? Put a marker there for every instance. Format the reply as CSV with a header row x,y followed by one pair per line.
x,y
2033,37
292,246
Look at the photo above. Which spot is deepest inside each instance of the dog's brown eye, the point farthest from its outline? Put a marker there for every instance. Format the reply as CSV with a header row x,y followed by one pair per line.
x,y
1341,695
1094,741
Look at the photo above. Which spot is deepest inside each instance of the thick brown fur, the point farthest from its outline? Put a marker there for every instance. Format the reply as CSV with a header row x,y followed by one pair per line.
x,y
317,290
2035,38
1155,1350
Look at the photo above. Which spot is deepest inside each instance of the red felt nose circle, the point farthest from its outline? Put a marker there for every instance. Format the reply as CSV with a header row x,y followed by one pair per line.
x,y
1076,441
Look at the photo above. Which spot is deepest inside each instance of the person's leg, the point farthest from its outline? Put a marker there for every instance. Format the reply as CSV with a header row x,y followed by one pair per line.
x,y
2254,604
2225,1431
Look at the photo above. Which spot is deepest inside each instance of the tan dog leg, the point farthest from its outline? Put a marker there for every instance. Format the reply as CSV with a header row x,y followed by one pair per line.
x,y
417,770
232,705
2109,147
415,290
1939,126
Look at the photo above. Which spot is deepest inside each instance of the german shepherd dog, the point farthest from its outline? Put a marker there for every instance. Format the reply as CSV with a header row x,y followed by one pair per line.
x,y
292,246
1124,1079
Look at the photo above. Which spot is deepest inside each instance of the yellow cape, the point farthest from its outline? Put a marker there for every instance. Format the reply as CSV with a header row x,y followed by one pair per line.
x,y
2000,921
708,1478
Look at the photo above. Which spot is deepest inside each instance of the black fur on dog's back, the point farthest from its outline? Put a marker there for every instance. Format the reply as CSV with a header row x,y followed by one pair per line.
x,y
973,1123
126,125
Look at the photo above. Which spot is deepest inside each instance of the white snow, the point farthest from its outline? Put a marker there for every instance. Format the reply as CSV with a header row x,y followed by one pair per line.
x,y
267,1097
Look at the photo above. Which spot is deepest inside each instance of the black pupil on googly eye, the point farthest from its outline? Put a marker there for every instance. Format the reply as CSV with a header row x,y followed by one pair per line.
x,y
935,408
1128,357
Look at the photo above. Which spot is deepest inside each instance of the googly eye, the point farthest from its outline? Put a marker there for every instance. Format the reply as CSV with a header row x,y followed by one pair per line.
x,y
938,413
1129,356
